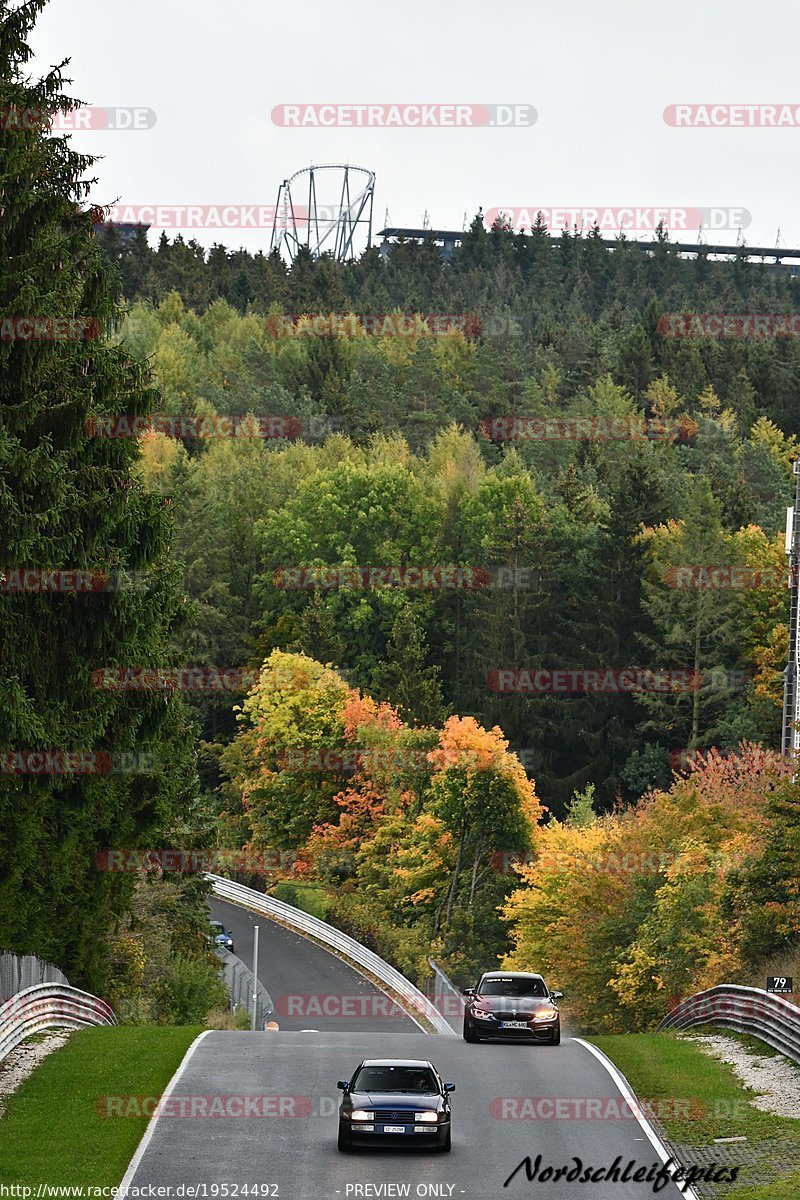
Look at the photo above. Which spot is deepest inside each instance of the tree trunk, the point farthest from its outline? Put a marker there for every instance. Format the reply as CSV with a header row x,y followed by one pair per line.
x,y
695,734
476,860
454,881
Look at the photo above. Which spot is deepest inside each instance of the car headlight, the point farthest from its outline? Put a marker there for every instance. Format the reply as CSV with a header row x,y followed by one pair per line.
x,y
427,1118
483,1014
547,1014
361,1114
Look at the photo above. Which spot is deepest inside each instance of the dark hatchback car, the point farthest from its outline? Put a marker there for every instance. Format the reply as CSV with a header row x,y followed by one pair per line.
x,y
400,1101
514,1006
220,936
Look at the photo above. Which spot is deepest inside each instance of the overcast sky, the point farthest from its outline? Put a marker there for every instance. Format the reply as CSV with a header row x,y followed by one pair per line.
x,y
598,77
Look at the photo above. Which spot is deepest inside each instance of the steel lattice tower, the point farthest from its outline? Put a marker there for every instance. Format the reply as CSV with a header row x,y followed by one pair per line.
x,y
334,227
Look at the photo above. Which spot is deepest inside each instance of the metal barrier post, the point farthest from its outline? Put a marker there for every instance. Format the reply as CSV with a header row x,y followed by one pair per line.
x,y
255,976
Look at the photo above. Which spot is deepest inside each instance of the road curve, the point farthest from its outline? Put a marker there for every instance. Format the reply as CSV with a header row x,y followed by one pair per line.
x,y
292,1145
310,987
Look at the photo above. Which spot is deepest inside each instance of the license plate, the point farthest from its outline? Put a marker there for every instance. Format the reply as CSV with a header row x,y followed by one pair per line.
x,y
394,1129
513,1024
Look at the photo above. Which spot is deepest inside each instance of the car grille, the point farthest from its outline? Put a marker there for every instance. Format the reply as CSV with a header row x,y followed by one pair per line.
x,y
509,1016
393,1117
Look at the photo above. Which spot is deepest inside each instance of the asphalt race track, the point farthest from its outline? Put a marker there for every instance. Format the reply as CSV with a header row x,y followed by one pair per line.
x,y
293,1144
311,989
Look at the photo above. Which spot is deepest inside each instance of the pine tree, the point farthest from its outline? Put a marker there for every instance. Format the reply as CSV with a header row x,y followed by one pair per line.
x,y
69,500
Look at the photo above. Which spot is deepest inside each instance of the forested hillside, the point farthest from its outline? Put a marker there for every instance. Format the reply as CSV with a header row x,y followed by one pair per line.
x,y
403,454
492,551
592,485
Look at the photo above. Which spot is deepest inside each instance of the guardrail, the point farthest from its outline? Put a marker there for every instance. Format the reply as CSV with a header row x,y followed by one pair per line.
x,y
238,979
449,1001
385,976
745,1009
49,1006
21,971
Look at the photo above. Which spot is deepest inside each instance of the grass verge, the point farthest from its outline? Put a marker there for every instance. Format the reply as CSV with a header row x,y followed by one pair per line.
x,y
52,1132
787,1188
312,898
697,1098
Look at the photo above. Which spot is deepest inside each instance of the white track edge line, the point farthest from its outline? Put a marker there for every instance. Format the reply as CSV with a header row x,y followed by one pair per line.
x,y
630,1096
328,950
147,1136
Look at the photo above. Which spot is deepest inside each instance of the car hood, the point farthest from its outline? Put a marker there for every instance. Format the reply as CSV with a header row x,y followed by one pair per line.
x,y
517,1004
400,1102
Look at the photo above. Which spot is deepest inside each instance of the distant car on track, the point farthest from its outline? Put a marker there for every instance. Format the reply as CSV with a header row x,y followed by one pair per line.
x,y
395,1100
514,1006
221,937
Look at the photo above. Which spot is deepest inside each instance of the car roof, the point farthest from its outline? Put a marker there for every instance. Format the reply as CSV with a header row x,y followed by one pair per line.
x,y
396,1062
510,975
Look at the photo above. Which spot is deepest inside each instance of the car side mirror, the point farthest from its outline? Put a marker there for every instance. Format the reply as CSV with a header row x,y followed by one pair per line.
x,y
342,1085
469,991
449,1087
556,995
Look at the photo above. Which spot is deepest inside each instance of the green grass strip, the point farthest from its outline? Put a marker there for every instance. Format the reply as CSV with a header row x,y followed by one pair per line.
x,y
787,1188
52,1132
697,1098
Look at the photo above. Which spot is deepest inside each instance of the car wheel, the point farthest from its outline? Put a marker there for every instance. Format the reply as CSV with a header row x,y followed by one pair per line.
x,y
469,1032
343,1141
555,1040
446,1145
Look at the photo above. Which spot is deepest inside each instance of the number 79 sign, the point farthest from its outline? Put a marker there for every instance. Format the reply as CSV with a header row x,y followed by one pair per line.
x,y
779,984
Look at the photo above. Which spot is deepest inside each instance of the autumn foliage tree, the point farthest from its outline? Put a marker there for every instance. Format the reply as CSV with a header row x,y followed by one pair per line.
x,y
661,900
402,823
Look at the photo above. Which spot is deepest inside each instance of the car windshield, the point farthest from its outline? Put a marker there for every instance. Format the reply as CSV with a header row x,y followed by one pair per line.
x,y
512,987
420,1080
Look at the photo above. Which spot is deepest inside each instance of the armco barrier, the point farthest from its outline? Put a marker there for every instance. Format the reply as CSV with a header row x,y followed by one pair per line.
x,y
21,971
745,1009
49,1006
447,999
238,979
385,976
